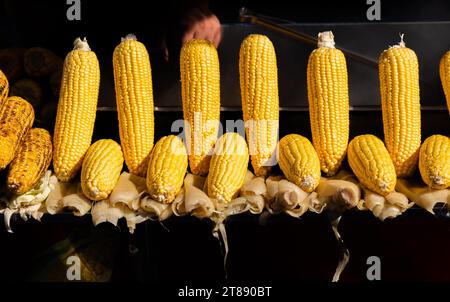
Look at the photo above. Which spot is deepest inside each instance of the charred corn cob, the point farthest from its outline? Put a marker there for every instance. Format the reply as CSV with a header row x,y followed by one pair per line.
x,y
76,112
16,118
370,161
101,169
260,105
166,169
11,63
40,62
228,167
200,91
400,103
299,161
328,103
30,90
444,72
4,88
434,161
31,161
134,97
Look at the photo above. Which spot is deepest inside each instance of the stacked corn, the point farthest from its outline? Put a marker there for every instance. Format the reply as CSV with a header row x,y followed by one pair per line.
x,y
200,91
134,97
434,161
77,108
228,167
444,72
328,103
260,104
400,104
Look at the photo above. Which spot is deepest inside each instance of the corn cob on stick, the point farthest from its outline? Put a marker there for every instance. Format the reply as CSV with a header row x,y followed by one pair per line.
x,y
200,91
400,103
166,169
371,164
299,162
4,88
134,97
444,72
76,112
228,167
31,161
260,104
327,81
434,161
16,118
101,169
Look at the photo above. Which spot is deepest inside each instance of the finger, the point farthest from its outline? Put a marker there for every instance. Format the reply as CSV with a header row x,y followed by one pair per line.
x,y
188,35
217,37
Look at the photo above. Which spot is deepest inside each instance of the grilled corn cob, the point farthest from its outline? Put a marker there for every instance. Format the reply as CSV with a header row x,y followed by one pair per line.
x,y
101,169
444,72
76,112
400,103
16,118
40,62
11,63
200,91
328,103
370,161
299,162
228,167
434,161
134,97
31,161
260,104
166,169
4,88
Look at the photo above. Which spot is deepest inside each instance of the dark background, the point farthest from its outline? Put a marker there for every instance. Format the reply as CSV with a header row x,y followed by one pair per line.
x,y
414,247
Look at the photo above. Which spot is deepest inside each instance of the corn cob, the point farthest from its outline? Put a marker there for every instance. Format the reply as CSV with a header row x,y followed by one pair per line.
x,y
370,161
434,161
166,169
76,112
4,88
444,71
260,104
101,169
299,162
200,83
40,62
31,161
229,165
16,118
400,103
11,63
327,81
30,90
134,97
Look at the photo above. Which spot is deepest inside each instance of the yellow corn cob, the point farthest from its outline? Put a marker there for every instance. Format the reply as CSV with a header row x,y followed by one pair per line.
x,y
200,91
328,103
101,169
4,88
434,161
16,118
370,161
166,169
228,167
31,161
134,97
444,71
299,161
260,105
400,103
76,112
